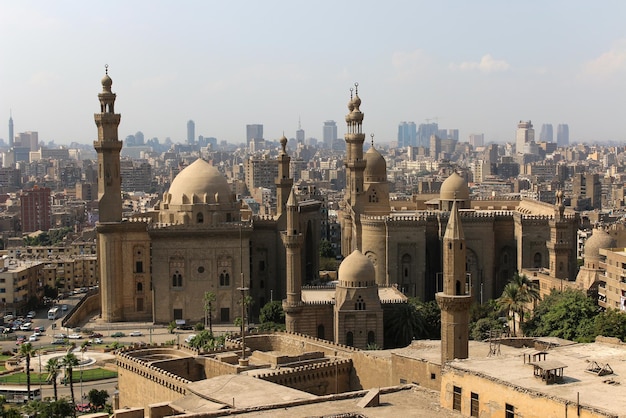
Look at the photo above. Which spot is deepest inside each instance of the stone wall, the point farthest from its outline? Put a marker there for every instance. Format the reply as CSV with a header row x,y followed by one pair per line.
x,y
85,309
318,379
405,370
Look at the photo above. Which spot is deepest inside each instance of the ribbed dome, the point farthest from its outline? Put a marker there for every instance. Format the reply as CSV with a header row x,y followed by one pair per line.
x,y
599,239
375,166
198,179
357,268
454,188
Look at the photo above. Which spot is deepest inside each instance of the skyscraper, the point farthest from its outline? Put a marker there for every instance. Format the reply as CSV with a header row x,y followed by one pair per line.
x,y
191,132
525,134
254,131
407,134
330,133
10,130
477,140
546,134
300,133
562,135
424,132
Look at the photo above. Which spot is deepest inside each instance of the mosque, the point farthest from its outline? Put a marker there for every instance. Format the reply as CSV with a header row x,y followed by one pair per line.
x,y
199,238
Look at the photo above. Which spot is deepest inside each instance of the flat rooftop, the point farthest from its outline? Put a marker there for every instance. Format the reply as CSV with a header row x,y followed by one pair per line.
x,y
602,392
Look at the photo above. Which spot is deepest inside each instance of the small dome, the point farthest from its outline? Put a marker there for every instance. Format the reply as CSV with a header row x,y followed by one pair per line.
x,y
599,239
454,188
375,166
107,82
357,101
357,268
198,179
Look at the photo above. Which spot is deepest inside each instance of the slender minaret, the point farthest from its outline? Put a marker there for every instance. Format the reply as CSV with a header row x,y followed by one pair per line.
x,y
456,298
283,181
11,133
108,148
292,239
561,242
354,147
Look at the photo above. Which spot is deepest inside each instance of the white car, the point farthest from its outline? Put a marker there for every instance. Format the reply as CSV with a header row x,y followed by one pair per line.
x,y
33,338
27,326
135,334
31,314
191,337
74,336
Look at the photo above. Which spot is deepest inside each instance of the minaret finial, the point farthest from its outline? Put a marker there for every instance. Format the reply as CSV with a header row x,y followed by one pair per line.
x,y
356,88
372,135
106,69
351,90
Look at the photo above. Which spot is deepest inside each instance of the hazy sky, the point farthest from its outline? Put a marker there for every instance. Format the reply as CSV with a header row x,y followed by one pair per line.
x,y
478,66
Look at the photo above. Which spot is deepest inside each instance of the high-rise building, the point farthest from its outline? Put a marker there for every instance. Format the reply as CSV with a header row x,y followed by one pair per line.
x,y
191,132
28,140
407,134
477,140
424,132
299,133
525,134
35,209
330,133
562,135
453,134
546,134
10,130
254,131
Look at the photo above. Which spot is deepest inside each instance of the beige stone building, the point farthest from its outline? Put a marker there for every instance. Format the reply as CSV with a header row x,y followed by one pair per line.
x,y
157,266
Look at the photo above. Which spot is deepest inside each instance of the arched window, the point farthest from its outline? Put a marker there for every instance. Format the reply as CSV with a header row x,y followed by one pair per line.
x,y
320,332
359,305
177,279
537,260
199,218
458,288
177,270
371,337
561,266
139,287
224,278
406,267
349,339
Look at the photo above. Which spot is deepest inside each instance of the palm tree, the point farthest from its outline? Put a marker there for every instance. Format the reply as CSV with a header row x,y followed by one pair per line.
x,y
510,301
209,298
69,361
528,292
27,350
52,367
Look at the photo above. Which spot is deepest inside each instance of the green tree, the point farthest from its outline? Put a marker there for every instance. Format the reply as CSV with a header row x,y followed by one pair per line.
x,y
272,312
52,367
98,398
431,318
203,340
326,249
402,323
510,302
610,323
69,361
567,314
27,351
55,409
208,299
171,327
528,292
480,329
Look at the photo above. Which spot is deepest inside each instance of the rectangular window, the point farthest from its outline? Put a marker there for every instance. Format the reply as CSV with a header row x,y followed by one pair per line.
x,y
509,411
225,315
178,314
456,398
138,266
139,304
475,407
262,265
433,376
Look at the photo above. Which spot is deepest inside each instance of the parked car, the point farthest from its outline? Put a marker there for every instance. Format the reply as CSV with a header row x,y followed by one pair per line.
x,y
33,338
27,326
135,334
95,335
95,341
59,341
31,314
189,338
118,334
59,335
74,336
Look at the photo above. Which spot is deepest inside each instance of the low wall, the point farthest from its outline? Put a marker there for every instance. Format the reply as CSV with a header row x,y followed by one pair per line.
x,y
318,379
85,308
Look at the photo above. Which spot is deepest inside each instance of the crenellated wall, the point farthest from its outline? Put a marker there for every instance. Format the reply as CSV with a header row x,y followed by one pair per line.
x,y
318,379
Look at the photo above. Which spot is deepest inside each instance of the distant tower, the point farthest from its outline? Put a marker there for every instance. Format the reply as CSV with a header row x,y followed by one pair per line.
x,y
456,298
562,243
329,133
300,133
293,239
191,132
108,148
11,134
283,181
562,135
546,134
525,134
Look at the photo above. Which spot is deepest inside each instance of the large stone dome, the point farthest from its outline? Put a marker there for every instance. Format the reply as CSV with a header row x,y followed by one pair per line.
x,y
199,182
454,188
357,268
599,239
375,166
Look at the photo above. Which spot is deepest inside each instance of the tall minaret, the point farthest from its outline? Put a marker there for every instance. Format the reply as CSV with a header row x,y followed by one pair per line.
x,y
292,238
108,148
11,133
354,148
456,298
562,240
283,181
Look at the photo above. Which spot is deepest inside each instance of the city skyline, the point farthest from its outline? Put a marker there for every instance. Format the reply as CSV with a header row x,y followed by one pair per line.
x,y
478,67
